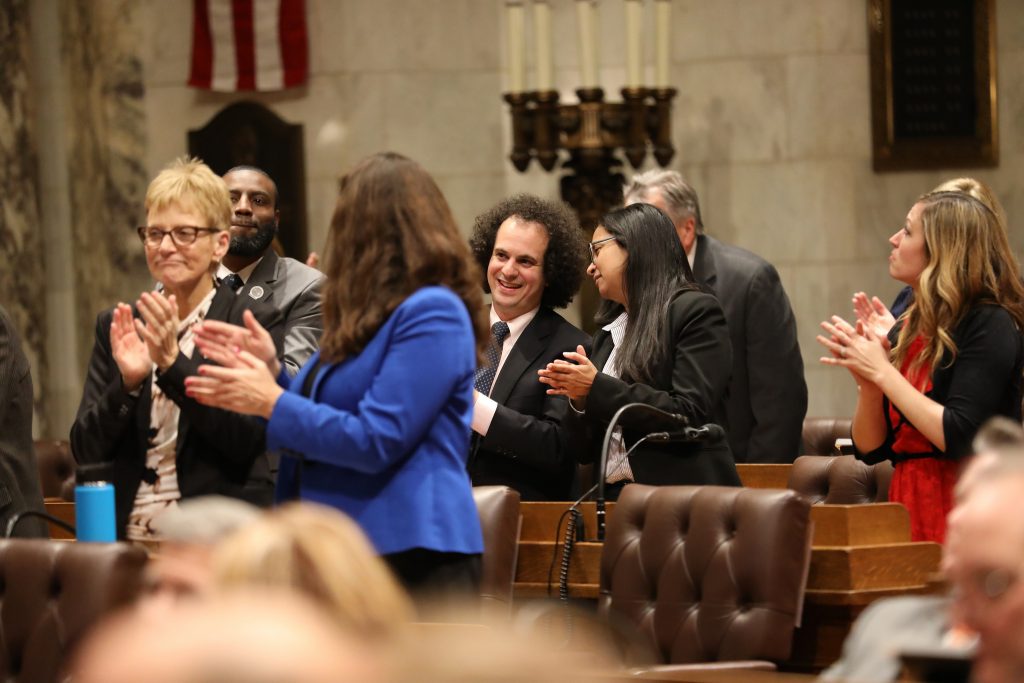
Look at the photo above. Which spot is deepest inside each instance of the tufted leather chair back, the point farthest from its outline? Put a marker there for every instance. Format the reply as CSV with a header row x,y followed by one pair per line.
x,y
56,468
708,573
498,507
840,480
51,592
820,434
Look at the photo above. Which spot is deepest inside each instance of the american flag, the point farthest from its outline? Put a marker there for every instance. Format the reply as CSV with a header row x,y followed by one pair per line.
x,y
248,44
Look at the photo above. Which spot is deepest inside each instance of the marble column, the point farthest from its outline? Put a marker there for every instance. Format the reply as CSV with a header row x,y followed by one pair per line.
x,y
22,278
106,145
86,75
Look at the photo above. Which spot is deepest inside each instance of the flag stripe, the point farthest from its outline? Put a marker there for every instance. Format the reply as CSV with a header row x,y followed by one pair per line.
x,y
294,42
225,74
249,44
202,46
245,54
269,72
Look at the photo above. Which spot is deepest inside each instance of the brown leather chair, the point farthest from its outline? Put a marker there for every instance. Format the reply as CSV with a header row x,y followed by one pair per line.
x,y
56,468
840,480
51,592
708,573
500,519
820,434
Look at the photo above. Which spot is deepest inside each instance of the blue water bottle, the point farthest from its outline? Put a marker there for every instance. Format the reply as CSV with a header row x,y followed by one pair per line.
x,y
94,504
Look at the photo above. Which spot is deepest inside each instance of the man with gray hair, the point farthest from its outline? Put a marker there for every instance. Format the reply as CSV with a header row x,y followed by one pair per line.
x,y
767,393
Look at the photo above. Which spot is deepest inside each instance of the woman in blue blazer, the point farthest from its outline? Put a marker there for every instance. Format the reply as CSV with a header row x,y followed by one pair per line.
x,y
377,423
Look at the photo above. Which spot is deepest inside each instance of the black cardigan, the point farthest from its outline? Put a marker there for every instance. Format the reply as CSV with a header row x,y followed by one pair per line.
x,y
983,381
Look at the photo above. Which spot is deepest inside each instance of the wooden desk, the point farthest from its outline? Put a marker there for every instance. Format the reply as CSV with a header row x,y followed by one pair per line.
x,y
64,511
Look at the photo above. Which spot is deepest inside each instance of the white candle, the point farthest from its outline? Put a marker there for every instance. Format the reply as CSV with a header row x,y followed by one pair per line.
x,y
662,41
585,17
634,29
542,33
514,12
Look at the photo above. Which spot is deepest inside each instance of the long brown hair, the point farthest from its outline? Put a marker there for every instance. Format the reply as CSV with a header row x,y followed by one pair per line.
x,y
392,233
969,264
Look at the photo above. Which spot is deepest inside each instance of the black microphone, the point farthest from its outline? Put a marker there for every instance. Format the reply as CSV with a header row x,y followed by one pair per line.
x,y
681,421
708,432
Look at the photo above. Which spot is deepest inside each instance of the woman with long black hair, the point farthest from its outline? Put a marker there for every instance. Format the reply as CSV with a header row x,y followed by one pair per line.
x,y
662,342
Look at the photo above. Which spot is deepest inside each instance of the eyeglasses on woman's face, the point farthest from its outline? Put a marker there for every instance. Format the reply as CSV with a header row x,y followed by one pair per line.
x,y
181,235
595,247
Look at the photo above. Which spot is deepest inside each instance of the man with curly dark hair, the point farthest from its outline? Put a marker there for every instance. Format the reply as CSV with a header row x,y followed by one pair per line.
x,y
533,254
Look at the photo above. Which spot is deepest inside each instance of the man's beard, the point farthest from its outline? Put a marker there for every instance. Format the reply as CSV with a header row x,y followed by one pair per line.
x,y
255,244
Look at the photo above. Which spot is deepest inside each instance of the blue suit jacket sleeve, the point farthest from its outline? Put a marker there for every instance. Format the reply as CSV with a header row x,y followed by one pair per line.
x,y
402,403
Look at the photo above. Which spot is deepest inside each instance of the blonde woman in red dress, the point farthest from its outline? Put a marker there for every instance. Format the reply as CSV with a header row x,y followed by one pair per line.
x,y
953,359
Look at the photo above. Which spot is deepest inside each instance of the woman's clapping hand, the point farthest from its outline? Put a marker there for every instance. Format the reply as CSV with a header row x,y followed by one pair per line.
x,y
246,387
221,342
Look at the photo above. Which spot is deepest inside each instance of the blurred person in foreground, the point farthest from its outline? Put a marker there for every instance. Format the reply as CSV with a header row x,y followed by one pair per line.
x,y
377,423
952,361
322,554
162,445
663,342
985,566
238,637
189,533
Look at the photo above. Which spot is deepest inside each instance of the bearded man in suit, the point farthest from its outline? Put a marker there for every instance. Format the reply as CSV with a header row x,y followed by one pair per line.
x,y
254,270
533,254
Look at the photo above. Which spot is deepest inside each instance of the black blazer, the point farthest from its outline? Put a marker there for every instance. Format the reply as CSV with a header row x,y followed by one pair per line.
x,y
19,474
218,452
525,447
691,380
767,397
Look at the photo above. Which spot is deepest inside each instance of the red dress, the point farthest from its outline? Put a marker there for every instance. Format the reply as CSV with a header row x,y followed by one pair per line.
x,y
924,485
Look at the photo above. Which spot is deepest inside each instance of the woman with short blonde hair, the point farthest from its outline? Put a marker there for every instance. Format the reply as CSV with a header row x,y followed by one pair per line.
x,y
162,446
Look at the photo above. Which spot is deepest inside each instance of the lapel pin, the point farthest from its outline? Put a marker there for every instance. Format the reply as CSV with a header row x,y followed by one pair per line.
x,y
256,292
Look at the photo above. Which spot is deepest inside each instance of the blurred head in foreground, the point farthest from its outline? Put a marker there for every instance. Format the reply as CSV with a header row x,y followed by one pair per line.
x,y
243,637
189,533
323,554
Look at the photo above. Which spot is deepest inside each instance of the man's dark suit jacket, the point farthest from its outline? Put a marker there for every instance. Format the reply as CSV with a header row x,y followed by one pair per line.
x,y
293,289
525,447
767,395
19,475
218,452
690,380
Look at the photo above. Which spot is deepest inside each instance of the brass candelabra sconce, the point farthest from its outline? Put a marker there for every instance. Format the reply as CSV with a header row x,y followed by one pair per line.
x,y
592,132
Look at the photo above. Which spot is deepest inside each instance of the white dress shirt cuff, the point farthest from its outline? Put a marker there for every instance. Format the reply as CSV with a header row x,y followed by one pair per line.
x,y
484,408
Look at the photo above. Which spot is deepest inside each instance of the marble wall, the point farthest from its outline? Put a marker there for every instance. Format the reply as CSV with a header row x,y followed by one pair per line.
x,y
22,277
772,124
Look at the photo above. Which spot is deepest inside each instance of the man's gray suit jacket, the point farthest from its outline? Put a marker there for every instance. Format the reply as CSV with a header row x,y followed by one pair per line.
x,y
292,288
767,393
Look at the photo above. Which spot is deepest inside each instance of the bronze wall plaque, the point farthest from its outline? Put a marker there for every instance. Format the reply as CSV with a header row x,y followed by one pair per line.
x,y
933,83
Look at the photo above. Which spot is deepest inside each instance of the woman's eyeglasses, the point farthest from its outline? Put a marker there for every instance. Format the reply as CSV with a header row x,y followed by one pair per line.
x,y
595,247
181,235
